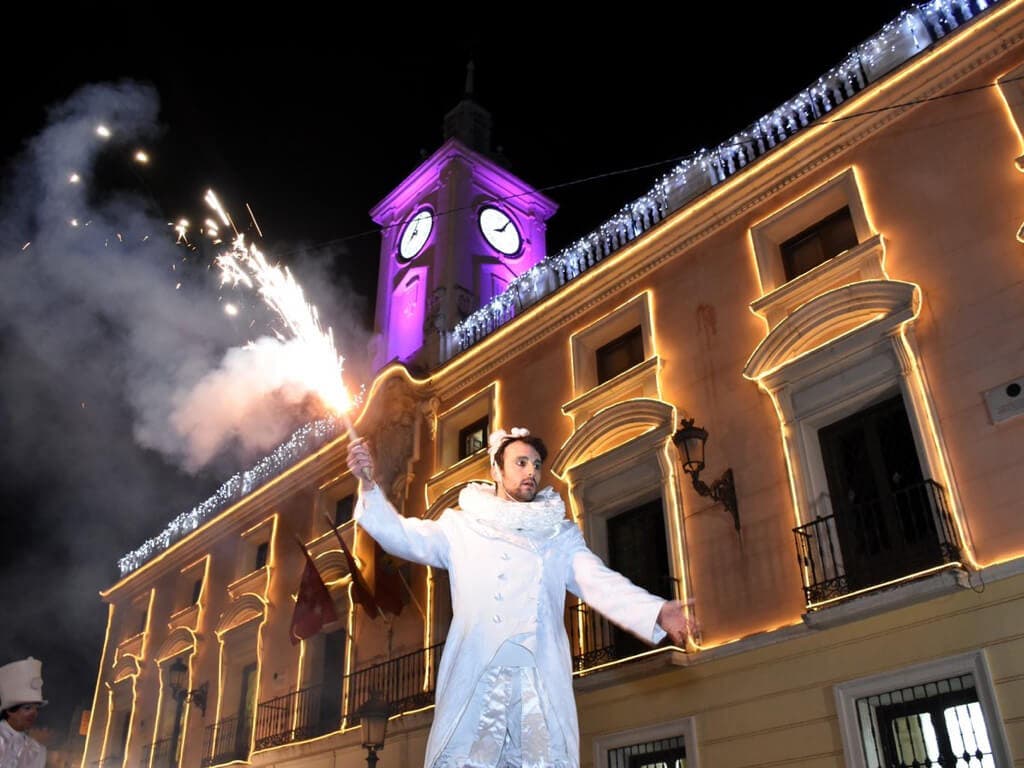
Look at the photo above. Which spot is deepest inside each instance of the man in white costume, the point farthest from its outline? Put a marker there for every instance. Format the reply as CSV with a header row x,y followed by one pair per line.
x,y
504,686
21,696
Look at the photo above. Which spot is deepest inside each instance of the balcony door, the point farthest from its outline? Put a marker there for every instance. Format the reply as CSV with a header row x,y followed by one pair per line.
x,y
332,675
246,710
637,549
883,515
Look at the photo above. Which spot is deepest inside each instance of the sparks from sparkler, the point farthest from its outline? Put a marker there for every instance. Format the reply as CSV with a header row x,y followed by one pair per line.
x,y
321,365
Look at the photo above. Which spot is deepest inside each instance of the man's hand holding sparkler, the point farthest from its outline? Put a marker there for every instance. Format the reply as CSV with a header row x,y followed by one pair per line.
x,y
360,463
673,619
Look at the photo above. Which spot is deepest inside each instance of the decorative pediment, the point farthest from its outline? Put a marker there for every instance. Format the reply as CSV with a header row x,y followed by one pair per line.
x,y
178,641
241,611
831,316
125,667
614,426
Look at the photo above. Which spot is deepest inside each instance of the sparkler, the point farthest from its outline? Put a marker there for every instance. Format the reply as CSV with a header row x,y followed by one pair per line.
x,y
321,365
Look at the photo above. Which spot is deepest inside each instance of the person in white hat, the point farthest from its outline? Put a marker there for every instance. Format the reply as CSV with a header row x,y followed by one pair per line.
x,y
504,686
21,696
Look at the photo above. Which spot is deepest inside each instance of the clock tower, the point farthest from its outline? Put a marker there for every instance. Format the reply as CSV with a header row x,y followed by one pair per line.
x,y
454,233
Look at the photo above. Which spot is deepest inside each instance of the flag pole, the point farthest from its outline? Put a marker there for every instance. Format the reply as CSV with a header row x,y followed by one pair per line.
x,y
344,547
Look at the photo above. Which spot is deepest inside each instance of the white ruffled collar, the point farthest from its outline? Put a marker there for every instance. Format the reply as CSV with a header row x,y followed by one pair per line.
x,y
541,518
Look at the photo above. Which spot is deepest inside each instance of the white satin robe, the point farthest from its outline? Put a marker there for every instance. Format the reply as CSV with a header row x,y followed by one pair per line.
x,y
506,585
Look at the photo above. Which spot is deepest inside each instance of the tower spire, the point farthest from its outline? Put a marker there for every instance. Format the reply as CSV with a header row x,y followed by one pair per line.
x,y
468,121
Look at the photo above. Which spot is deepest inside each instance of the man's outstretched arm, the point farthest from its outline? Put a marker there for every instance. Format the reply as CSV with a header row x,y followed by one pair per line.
x,y
420,541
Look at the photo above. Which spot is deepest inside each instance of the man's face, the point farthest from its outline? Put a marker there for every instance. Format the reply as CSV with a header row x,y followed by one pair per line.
x,y
23,717
519,477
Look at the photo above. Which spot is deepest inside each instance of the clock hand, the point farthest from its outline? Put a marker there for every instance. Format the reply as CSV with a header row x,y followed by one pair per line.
x,y
503,227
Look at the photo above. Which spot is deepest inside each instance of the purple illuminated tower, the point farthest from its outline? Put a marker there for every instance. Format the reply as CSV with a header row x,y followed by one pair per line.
x,y
454,233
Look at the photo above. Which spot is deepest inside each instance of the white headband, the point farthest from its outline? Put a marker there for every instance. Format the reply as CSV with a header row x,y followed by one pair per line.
x,y
499,437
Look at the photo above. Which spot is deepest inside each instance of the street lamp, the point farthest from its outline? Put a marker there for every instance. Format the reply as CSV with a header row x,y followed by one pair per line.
x,y
373,720
178,674
690,442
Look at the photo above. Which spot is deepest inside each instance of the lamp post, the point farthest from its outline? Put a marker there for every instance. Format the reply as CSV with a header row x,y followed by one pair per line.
x,y
177,675
373,720
690,442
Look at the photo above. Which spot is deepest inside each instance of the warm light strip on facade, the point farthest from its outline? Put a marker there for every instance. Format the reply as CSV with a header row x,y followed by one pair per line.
x,y
156,718
676,523
144,647
925,407
131,719
617,662
99,682
1009,112
349,647
110,717
787,449
741,638
428,627
298,679
883,585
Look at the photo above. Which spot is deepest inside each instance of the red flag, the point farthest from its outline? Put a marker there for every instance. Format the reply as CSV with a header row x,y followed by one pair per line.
x,y
314,606
387,581
361,592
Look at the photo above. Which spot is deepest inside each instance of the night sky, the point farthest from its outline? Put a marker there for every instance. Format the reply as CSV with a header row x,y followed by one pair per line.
x,y
309,123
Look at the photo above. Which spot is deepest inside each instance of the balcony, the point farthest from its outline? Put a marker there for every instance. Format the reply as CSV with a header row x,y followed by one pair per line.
x,y
225,742
593,640
871,544
407,682
297,716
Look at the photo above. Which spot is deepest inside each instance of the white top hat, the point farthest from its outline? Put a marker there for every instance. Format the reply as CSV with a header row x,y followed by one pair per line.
x,y
21,682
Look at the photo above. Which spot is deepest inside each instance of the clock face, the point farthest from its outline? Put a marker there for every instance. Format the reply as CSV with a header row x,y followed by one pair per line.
x,y
415,234
500,231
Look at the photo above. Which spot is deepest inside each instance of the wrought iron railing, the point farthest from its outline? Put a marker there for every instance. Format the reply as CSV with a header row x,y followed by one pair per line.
x,y
157,754
225,741
871,543
591,637
406,682
297,716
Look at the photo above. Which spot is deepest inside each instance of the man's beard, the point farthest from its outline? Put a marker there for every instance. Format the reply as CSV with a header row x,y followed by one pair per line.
x,y
519,493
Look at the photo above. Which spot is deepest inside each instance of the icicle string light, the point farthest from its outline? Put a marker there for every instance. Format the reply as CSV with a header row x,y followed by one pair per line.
x,y
304,441
908,34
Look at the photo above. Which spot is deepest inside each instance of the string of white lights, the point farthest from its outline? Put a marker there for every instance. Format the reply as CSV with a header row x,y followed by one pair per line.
x,y
908,34
303,441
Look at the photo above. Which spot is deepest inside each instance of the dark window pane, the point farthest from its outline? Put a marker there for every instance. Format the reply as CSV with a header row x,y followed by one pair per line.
x,y
343,510
472,438
196,589
620,354
261,554
818,243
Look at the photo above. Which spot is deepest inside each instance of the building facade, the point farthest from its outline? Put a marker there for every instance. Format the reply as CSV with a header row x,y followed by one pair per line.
x,y
836,296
